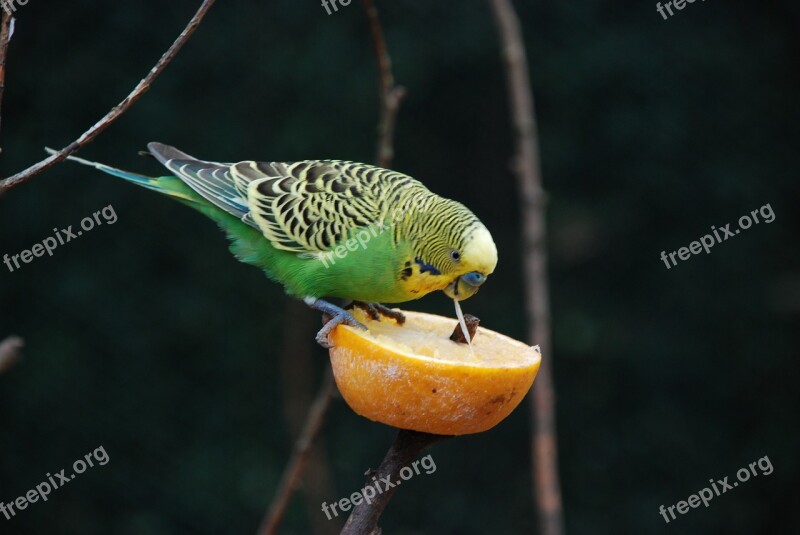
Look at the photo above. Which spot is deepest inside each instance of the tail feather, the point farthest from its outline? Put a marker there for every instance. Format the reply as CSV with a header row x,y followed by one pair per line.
x,y
247,242
152,183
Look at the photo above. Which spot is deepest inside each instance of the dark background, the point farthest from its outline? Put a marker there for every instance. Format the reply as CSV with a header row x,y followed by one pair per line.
x,y
148,338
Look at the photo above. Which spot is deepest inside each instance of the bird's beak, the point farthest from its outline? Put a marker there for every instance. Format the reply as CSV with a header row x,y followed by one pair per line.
x,y
459,290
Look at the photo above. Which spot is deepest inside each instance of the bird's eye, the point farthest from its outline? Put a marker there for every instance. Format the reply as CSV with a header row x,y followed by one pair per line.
x,y
473,278
455,255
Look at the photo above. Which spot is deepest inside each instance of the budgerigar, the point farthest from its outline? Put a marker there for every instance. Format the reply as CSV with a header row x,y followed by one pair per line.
x,y
329,228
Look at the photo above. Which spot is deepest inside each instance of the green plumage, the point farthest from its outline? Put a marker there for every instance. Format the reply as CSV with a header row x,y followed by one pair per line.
x,y
329,228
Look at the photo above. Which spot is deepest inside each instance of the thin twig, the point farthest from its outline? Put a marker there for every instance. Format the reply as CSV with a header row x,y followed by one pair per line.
x,y
390,95
527,167
5,37
297,347
142,87
302,447
405,449
298,362
10,352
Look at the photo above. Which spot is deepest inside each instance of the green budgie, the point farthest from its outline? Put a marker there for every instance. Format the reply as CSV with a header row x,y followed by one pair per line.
x,y
329,228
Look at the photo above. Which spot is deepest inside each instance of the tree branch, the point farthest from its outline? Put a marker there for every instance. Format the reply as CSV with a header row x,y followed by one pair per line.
x,y
5,37
298,362
389,95
10,352
405,449
302,447
141,88
527,167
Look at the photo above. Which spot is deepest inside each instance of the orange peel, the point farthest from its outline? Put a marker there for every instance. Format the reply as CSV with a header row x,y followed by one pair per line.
x,y
412,376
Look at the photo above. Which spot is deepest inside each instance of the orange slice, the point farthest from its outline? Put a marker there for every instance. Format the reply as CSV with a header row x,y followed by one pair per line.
x,y
413,376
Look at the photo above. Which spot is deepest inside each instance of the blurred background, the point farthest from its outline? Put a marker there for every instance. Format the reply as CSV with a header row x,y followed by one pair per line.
x,y
148,338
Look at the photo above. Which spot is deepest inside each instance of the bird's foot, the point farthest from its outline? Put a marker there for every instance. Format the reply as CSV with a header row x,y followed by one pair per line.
x,y
376,310
334,316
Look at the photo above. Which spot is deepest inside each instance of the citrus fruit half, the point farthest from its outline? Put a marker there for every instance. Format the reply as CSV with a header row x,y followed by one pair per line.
x,y
412,376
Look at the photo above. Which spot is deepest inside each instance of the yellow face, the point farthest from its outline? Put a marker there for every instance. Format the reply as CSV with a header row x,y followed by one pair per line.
x,y
457,272
477,261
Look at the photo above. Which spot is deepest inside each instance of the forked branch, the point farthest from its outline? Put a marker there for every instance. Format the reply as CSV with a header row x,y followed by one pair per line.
x,y
116,112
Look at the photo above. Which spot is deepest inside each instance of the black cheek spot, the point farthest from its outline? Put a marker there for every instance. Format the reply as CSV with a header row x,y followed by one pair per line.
x,y
423,267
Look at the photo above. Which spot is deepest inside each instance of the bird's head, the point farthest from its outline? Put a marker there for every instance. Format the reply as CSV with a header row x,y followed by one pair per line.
x,y
452,250
472,262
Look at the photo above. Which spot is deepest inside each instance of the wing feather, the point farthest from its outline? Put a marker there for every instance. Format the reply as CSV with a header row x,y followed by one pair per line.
x,y
212,180
306,207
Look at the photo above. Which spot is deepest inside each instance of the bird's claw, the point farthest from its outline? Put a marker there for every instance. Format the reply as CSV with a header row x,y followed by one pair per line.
x,y
333,316
376,310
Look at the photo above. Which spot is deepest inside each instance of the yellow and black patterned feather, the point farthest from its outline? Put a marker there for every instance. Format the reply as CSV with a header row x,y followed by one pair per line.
x,y
304,207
